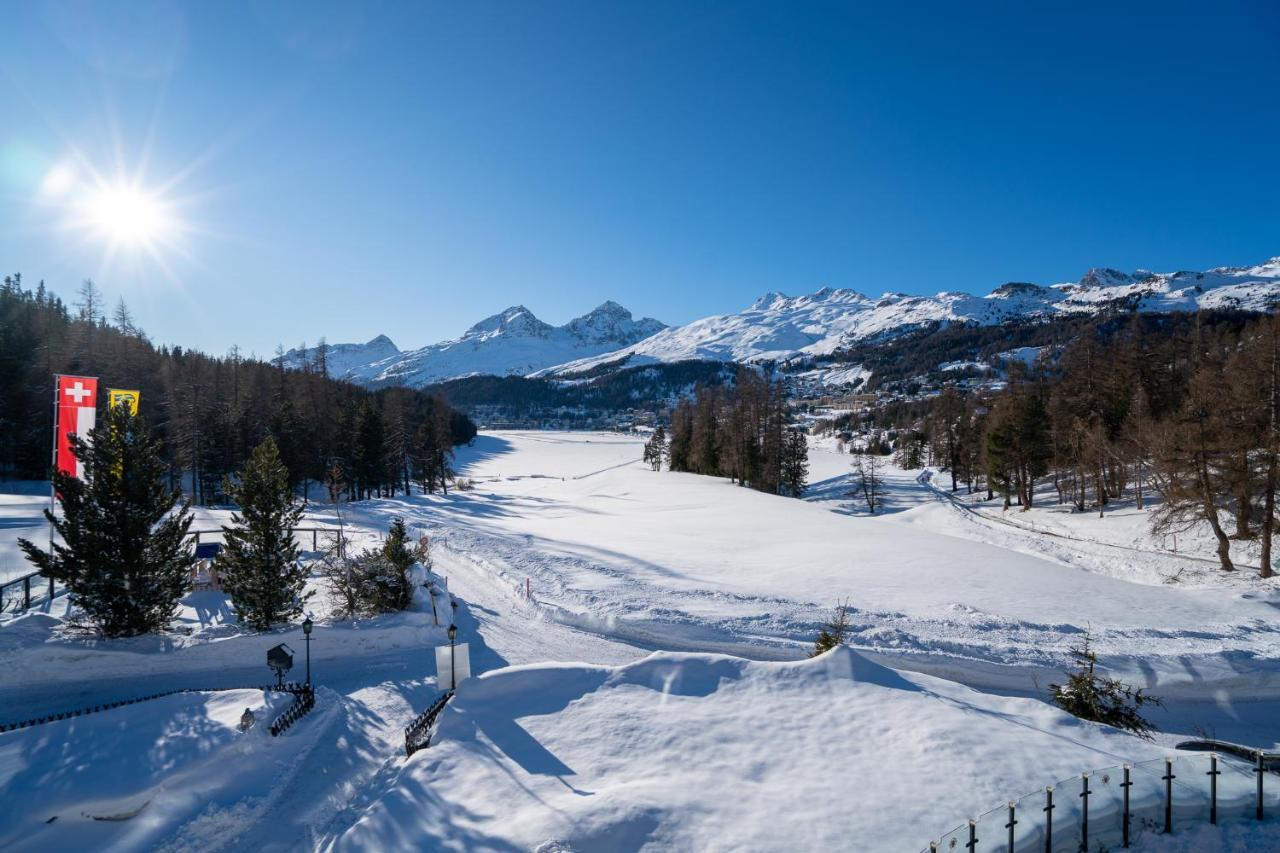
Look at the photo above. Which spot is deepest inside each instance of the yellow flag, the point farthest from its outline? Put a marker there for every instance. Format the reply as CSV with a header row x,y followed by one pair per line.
x,y
120,397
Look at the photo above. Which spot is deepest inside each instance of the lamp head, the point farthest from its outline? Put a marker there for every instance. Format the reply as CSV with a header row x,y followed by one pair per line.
x,y
307,625
453,632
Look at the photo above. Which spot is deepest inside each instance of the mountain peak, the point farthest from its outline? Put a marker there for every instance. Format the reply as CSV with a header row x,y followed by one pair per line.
x,y
516,320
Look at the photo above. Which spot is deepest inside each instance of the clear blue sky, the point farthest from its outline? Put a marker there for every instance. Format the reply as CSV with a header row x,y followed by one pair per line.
x,y
410,168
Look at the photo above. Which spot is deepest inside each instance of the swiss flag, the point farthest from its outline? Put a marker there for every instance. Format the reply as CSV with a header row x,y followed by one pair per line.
x,y
77,413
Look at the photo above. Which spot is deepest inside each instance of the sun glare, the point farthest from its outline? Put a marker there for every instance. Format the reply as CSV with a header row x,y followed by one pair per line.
x,y
127,215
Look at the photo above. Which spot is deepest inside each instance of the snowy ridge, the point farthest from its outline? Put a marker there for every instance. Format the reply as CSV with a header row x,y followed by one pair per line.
x,y
510,343
346,361
778,327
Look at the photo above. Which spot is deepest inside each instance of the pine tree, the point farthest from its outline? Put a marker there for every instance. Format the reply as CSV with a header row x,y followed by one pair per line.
x,y
259,564
1090,696
124,555
655,449
795,463
833,631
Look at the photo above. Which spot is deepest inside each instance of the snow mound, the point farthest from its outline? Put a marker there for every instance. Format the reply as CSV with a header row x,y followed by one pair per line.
x,y
710,752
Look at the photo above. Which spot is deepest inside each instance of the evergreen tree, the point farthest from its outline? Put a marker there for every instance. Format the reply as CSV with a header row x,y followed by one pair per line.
x,y
655,449
259,564
1090,696
123,555
833,631
795,463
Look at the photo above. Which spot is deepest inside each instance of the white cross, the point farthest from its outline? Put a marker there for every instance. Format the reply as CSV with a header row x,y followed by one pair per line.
x,y
78,391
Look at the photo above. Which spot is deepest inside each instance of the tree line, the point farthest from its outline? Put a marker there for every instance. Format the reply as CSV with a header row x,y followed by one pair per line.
x,y
741,431
208,413
1188,413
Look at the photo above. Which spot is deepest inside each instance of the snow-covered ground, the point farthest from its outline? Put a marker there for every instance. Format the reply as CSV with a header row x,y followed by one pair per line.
x,y
677,561
710,752
578,739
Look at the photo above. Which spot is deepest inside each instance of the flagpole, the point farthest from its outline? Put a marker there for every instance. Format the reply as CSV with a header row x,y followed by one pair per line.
x,y
53,490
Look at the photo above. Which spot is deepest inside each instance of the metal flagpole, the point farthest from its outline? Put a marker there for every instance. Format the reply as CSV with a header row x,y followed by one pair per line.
x,y
53,490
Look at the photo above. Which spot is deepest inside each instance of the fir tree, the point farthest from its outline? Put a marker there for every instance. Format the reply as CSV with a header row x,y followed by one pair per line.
x,y
259,563
833,631
655,449
795,463
1090,696
123,555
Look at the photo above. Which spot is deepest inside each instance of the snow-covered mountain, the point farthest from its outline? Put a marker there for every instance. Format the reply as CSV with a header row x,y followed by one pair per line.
x,y
346,361
512,342
777,327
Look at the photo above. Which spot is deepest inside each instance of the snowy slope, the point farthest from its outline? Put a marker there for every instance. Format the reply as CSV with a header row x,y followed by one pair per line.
x,y
777,327
512,342
710,752
678,561
347,361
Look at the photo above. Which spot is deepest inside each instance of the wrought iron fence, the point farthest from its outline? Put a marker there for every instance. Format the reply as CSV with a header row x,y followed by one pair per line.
x,y
1112,807
291,687
417,735
304,699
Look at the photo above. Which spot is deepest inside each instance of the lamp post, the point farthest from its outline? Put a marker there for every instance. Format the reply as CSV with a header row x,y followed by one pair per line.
x,y
453,666
307,625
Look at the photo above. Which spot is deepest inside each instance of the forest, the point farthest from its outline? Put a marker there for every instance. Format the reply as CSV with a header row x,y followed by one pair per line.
x,y
1185,410
741,431
208,413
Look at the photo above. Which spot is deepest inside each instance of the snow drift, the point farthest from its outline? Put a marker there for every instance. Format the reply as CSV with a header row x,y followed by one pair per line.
x,y
710,752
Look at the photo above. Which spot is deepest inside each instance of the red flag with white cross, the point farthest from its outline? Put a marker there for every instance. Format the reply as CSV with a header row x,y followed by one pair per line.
x,y
77,412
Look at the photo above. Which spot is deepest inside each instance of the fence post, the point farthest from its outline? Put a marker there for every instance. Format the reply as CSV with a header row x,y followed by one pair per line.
x,y
313,539
1013,821
26,593
1259,770
973,835
1213,788
1168,778
1124,825
51,590
1048,819
1084,812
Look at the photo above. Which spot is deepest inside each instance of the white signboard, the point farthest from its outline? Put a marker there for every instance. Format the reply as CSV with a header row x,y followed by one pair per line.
x,y
447,663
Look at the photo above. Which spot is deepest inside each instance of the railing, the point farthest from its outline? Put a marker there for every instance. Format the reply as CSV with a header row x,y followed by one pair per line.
x,y
291,687
16,594
417,735
304,699
1113,807
314,531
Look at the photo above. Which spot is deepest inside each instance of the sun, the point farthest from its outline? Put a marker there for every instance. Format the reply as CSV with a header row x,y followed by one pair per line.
x,y
128,215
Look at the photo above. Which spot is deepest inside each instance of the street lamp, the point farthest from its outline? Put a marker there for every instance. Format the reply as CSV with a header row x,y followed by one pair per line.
x,y
453,664
307,625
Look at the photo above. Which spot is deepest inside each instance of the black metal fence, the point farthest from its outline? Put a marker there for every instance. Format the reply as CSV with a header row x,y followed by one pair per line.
x,y
417,735
24,592
291,687
304,699
1111,808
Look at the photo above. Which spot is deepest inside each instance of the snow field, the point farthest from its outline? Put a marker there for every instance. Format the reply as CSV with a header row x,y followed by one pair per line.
x,y
679,561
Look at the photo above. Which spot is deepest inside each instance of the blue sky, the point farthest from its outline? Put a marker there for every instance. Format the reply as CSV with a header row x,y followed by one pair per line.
x,y
351,169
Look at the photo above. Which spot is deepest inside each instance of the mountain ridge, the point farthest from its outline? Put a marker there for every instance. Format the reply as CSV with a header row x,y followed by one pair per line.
x,y
778,327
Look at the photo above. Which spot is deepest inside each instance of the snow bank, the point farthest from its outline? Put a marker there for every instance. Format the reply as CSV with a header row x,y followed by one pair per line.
x,y
709,752
123,778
